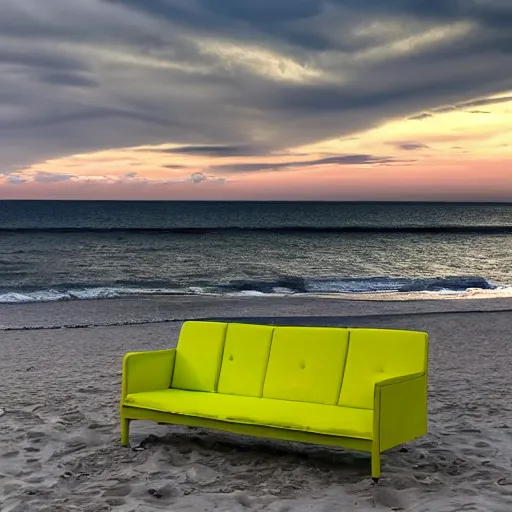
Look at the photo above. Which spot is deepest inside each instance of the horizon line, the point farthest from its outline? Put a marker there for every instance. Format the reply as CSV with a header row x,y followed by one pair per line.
x,y
332,201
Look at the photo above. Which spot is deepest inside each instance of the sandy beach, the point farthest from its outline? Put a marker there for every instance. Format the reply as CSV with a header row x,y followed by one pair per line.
x,y
60,373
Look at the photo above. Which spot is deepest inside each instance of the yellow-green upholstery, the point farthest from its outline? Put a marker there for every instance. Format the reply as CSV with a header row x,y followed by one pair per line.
x,y
374,353
306,364
198,359
245,360
312,417
364,389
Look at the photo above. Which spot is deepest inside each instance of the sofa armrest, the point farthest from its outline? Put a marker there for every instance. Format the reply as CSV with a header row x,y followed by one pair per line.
x,y
400,411
147,371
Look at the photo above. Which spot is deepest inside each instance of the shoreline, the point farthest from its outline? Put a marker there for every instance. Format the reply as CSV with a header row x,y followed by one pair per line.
x,y
378,288
161,309
468,294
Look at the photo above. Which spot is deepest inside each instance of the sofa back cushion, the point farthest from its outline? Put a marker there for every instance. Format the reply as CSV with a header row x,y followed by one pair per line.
x,y
198,356
244,363
306,364
374,354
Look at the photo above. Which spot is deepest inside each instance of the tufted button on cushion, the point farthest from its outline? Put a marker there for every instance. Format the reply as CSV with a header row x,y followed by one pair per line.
x,y
306,365
245,359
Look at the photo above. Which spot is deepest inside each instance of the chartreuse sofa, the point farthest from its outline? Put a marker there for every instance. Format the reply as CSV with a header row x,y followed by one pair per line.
x,y
361,389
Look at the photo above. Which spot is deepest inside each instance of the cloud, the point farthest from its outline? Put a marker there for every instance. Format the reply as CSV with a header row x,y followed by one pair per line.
x,y
195,178
215,150
200,177
65,78
465,106
412,146
492,13
15,180
420,117
51,177
237,77
484,102
355,159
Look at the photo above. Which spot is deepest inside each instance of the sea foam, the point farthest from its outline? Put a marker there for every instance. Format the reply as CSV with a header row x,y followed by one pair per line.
x,y
464,286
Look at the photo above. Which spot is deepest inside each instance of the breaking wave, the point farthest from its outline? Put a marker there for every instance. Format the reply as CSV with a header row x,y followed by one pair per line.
x,y
285,285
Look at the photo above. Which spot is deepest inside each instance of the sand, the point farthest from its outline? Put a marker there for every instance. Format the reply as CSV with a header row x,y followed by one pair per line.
x,y
59,432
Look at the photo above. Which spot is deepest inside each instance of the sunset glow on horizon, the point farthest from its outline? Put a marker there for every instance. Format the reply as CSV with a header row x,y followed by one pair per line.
x,y
398,104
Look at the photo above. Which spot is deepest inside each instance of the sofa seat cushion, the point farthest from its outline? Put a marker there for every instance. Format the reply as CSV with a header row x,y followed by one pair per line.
x,y
311,417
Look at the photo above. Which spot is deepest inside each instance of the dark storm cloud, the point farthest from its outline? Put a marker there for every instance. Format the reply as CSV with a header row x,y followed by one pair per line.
x,y
492,12
37,59
269,16
66,78
237,77
212,11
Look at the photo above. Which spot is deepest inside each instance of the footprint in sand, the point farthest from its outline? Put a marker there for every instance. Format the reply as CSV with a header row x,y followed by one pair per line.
x,y
72,417
115,502
35,435
120,490
9,454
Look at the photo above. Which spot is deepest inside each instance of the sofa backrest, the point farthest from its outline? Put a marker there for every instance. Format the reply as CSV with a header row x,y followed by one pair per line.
x,y
309,364
306,364
199,355
245,359
376,354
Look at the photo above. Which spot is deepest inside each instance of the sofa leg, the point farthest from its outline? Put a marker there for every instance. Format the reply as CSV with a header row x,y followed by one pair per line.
x,y
375,466
125,432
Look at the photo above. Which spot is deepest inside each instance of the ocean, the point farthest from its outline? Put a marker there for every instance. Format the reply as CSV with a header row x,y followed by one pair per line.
x,y
72,250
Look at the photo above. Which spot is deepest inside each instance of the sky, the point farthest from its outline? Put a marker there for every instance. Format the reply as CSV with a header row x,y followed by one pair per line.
x,y
256,99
